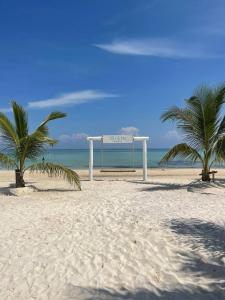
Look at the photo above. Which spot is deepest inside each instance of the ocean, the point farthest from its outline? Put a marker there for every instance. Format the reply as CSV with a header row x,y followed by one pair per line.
x,y
114,158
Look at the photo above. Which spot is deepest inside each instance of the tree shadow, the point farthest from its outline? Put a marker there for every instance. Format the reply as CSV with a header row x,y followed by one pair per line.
x,y
209,238
207,234
5,191
160,186
210,269
84,293
43,190
195,186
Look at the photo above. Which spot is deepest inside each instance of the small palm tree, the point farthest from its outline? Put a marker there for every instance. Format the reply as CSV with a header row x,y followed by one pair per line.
x,y
203,128
20,146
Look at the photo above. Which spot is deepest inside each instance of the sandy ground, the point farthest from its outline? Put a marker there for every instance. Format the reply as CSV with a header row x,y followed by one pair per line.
x,y
116,239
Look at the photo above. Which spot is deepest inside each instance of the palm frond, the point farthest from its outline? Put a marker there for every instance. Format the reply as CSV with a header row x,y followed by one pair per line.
x,y
58,171
182,150
186,123
200,120
207,113
221,128
175,113
202,109
219,97
220,149
202,126
30,148
43,129
52,116
6,161
8,132
48,140
21,121
43,138
33,145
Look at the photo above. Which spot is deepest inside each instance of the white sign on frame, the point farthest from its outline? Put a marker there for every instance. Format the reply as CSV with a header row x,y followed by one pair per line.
x,y
117,139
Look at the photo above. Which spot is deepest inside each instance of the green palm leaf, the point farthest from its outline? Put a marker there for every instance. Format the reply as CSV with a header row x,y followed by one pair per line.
x,y
183,151
221,128
220,150
52,116
176,114
21,121
8,132
200,119
21,146
57,171
202,126
219,97
6,161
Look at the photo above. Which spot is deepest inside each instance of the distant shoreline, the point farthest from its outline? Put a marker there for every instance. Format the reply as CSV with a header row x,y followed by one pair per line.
x,y
78,159
152,172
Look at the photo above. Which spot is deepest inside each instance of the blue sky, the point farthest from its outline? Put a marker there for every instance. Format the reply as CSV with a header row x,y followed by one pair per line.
x,y
113,66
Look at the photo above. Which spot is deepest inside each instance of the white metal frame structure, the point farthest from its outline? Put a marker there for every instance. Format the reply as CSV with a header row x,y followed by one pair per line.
x,y
142,139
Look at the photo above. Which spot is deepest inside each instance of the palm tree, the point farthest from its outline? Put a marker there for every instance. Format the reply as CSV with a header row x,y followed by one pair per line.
x,y
21,146
203,128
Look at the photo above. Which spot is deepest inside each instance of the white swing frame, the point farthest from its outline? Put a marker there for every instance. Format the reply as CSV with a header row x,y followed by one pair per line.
x,y
142,139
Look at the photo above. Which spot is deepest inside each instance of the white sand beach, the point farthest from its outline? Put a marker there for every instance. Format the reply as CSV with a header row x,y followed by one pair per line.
x,y
115,239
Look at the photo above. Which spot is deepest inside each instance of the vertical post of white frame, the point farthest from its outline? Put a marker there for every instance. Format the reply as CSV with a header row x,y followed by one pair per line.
x,y
90,159
145,166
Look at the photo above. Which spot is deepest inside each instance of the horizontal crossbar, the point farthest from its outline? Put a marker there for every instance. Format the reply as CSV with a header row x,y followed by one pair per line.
x,y
117,170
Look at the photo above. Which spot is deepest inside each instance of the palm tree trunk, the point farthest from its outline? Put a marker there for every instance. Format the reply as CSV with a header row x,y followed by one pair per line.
x,y
205,173
206,168
205,176
19,179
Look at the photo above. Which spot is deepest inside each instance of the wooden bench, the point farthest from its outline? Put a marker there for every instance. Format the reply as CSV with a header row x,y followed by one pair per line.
x,y
211,173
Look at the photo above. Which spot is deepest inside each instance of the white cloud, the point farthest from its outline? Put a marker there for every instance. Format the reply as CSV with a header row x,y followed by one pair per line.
x,y
79,136
66,138
6,110
157,48
130,130
72,98
173,135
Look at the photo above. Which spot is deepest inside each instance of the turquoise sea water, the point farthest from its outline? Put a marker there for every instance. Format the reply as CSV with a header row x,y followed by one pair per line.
x,y
118,158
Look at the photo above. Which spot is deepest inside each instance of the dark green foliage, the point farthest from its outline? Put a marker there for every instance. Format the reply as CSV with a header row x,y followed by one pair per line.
x,y
203,128
21,145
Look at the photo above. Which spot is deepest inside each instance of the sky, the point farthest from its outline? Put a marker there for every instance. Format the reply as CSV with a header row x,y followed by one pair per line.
x,y
114,66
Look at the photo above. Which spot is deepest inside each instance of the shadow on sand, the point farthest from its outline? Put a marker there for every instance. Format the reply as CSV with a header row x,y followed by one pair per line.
x,y
5,191
8,191
55,190
194,186
209,235
199,234
82,293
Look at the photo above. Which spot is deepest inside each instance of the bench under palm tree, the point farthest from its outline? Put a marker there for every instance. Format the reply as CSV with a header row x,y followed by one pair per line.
x,y
20,146
203,128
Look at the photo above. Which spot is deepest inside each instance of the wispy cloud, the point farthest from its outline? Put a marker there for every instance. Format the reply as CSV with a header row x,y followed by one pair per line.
x,y
215,29
6,110
129,130
66,138
80,136
73,98
158,48
173,135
